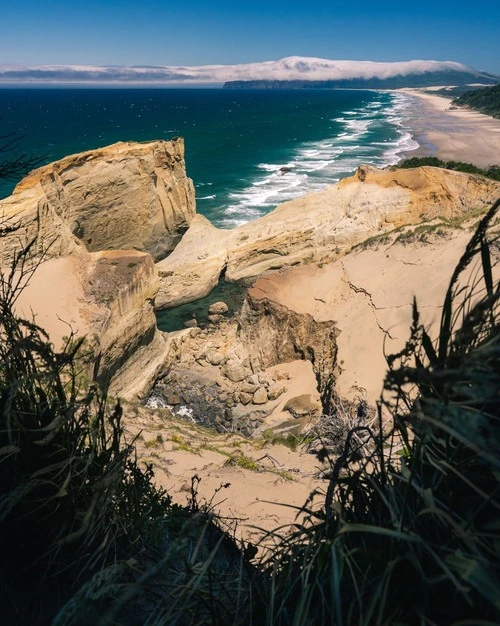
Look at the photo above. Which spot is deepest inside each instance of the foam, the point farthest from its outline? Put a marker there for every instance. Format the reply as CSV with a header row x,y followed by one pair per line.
x,y
316,165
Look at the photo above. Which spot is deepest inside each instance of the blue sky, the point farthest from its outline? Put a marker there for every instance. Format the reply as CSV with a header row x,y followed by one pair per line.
x,y
191,32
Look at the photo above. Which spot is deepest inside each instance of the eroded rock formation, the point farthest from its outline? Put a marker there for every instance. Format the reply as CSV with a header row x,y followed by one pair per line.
x,y
128,196
324,314
318,227
340,319
99,219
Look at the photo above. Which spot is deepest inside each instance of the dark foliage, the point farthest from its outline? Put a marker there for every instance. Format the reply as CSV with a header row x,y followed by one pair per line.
x,y
486,100
493,171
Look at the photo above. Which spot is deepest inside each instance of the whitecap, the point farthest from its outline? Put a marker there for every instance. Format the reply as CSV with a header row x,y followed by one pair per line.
x,y
315,165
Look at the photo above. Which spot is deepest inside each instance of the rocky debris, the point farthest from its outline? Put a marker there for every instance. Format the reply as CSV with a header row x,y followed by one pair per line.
x,y
260,396
218,308
302,406
216,318
248,387
214,358
124,196
192,323
234,371
245,398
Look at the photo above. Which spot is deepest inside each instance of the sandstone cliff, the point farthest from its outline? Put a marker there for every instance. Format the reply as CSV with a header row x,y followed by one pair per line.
x,y
99,220
125,196
318,227
307,330
321,315
106,297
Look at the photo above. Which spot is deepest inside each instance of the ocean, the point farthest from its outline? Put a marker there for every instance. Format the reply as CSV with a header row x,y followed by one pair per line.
x,y
246,150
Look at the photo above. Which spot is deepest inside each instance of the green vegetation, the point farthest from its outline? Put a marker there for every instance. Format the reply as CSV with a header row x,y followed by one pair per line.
x,y
492,172
408,531
486,100
74,503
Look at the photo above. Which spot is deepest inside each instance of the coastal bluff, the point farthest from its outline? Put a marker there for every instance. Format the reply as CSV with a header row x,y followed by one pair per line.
x,y
119,237
128,196
317,227
98,221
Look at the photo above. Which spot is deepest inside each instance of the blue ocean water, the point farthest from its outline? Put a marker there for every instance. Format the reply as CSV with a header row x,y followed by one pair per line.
x,y
247,151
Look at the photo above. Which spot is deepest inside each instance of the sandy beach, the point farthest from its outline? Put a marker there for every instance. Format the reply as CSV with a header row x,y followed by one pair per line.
x,y
451,133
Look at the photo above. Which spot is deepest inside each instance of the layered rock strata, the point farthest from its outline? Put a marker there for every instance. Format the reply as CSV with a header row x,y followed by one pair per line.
x,y
106,297
98,220
318,227
125,196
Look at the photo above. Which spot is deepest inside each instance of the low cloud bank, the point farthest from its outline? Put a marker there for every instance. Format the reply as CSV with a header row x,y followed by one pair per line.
x,y
291,68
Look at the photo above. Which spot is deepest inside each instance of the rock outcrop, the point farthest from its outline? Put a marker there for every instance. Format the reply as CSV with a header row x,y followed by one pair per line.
x,y
332,325
126,196
106,297
323,317
318,227
98,220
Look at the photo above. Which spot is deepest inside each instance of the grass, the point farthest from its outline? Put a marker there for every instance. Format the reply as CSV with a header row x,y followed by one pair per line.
x,y
73,499
180,443
422,232
245,462
153,443
407,532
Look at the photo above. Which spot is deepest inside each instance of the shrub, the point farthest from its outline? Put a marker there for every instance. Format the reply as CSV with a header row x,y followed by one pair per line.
x,y
493,171
73,498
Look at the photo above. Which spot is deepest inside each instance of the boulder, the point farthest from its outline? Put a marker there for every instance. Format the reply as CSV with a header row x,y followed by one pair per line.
x,y
218,308
302,406
234,371
275,391
260,396
245,398
216,318
214,358
249,388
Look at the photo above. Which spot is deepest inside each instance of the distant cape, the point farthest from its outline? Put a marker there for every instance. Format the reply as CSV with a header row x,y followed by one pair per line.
x,y
291,72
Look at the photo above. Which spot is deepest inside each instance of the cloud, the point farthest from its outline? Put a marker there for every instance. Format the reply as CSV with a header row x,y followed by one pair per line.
x,y
291,68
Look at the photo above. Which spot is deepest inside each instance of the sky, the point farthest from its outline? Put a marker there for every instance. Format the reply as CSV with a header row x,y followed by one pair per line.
x,y
191,32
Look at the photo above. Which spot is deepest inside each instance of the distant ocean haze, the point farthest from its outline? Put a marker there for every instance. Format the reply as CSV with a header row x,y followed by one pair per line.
x,y
246,150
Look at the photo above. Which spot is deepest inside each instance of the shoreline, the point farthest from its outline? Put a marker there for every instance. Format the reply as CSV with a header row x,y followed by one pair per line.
x,y
452,134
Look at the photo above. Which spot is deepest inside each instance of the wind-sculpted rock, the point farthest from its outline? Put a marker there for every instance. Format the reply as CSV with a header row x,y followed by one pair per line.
x,y
125,196
81,212
318,227
218,308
